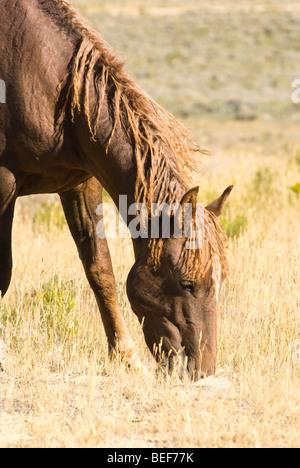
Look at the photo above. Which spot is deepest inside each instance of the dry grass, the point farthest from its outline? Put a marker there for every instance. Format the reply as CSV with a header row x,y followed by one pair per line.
x,y
61,390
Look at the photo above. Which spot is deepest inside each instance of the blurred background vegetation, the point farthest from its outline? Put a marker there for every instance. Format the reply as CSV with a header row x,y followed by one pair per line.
x,y
220,60
225,69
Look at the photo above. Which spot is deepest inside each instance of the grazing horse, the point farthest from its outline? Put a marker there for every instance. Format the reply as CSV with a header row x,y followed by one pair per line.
x,y
73,122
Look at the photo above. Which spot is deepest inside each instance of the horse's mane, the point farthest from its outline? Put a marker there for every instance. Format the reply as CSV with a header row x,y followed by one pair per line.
x,y
161,143
163,147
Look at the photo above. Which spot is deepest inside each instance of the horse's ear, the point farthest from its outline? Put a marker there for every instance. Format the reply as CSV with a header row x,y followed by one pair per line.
x,y
190,197
216,206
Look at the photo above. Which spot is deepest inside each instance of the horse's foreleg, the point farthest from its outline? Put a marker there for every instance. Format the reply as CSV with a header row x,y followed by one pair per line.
x,y
80,207
7,205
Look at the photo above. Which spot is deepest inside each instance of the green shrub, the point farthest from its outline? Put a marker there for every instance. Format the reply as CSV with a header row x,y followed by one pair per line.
x,y
7,316
56,303
262,190
263,181
296,189
49,215
235,228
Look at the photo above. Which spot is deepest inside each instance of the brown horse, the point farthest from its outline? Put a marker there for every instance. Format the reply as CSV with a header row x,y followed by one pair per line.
x,y
73,122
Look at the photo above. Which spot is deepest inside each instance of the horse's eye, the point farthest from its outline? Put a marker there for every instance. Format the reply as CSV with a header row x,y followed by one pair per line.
x,y
188,286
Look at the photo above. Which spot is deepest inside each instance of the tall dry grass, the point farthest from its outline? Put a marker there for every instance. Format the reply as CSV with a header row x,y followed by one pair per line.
x,y
61,389
228,73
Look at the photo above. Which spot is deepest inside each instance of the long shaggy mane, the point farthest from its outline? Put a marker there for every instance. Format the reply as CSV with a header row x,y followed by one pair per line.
x,y
163,147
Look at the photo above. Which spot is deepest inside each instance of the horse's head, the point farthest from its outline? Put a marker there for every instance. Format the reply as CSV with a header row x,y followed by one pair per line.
x,y
177,302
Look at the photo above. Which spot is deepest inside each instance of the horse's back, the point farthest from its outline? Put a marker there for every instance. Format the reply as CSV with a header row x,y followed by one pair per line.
x,y
34,61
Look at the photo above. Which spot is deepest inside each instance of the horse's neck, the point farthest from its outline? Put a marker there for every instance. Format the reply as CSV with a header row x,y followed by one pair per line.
x,y
114,167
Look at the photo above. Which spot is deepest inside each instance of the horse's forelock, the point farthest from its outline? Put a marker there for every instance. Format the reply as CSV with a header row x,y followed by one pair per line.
x,y
194,263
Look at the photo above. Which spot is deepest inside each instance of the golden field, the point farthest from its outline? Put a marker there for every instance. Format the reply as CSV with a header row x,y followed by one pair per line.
x,y
59,388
